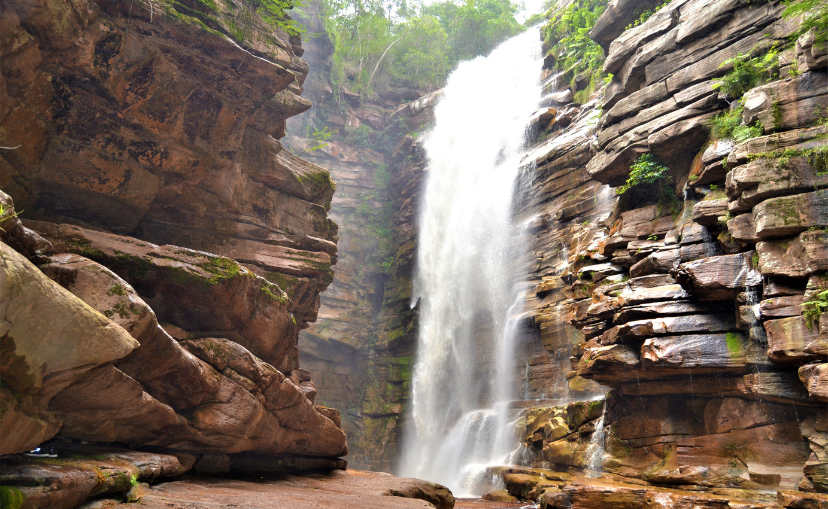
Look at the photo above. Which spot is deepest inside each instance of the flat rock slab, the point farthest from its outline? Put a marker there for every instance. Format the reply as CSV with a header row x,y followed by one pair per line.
x,y
476,503
342,489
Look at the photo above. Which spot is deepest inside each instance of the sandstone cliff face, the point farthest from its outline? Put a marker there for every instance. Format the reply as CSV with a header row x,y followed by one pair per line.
x,y
123,129
690,311
361,347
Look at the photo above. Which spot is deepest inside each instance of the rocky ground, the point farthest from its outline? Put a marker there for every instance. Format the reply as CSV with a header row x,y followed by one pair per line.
x,y
110,476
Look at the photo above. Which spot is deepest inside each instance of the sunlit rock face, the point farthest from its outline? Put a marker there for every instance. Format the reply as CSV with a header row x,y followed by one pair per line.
x,y
693,312
172,248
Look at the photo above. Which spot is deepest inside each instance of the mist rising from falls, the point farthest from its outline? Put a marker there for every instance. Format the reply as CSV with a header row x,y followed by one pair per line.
x,y
467,252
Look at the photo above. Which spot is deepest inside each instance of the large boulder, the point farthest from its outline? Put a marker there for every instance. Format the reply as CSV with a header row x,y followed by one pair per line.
x,y
218,398
50,340
199,292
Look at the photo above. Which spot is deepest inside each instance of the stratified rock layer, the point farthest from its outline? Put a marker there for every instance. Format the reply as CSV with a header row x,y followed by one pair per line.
x,y
701,312
125,125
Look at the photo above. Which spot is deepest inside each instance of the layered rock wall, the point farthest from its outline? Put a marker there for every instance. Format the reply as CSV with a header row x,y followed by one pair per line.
x,y
172,248
361,348
693,309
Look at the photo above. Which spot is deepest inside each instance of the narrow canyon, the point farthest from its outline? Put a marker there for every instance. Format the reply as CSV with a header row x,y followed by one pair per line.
x,y
258,253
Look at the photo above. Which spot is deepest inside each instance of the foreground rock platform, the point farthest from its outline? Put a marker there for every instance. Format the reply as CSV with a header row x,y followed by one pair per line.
x,y
348,489
104,476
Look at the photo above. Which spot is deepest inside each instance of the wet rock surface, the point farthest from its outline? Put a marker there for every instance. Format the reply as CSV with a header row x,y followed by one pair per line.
x,y
339,489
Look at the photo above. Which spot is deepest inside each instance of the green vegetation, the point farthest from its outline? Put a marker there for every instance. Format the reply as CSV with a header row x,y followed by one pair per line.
x,y
747,72
647,14
567,37
11,498
282,297
378,45
316,139
728,124
645,170
816,16
5,214
274,13
221,268
734,343
813,309
116,290
817,157
377,215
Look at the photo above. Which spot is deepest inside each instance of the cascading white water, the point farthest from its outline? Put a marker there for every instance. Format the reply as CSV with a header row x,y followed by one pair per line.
x,y
465,266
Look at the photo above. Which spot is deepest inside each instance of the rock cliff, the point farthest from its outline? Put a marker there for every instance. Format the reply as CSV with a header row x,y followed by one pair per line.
x,y
361,347
695,299
170,250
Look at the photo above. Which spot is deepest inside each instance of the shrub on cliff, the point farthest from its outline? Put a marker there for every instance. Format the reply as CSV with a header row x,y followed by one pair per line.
x,y
645,170
816,16
567,37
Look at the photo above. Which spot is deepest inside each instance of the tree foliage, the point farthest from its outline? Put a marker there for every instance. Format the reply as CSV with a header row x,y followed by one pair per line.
x,y
378,45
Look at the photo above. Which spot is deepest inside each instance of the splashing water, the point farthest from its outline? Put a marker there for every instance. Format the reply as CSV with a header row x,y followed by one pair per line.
x,y
467,252
596,453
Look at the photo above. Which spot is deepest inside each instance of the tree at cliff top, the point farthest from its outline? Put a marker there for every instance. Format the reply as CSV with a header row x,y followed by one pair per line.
x,y
378,46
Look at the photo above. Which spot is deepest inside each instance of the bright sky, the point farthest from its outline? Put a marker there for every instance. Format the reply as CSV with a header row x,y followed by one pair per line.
x,y
531,7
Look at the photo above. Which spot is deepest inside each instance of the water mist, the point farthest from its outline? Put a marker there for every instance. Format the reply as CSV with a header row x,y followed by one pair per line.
x,y
467,252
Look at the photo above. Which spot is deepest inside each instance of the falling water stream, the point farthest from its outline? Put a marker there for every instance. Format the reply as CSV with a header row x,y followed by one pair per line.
x,y
467,252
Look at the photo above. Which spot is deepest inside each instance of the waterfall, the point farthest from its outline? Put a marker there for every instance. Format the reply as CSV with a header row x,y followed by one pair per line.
x,y
467,256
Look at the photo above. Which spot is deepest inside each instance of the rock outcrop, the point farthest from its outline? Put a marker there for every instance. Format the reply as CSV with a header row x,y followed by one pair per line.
x,y
114,476
361,348
700,312
123,127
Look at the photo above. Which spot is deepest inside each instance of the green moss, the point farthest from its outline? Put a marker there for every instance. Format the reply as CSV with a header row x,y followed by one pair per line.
x,y
222,268
11,497
321,178
282,297
817,157
776,114
116,290
734,343
83,247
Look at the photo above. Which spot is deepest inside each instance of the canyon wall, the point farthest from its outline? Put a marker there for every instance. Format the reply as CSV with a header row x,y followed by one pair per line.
x,y
170,249
695,298
361,347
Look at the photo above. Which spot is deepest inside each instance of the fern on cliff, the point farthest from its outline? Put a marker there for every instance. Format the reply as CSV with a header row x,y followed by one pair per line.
x,y
747,72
